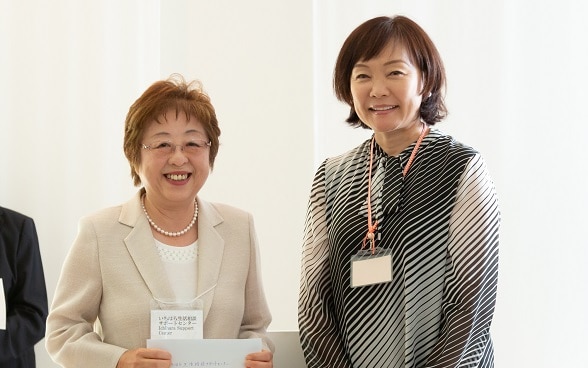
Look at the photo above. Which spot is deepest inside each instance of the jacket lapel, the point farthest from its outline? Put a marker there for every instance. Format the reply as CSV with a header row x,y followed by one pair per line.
x,y
210,252
141,247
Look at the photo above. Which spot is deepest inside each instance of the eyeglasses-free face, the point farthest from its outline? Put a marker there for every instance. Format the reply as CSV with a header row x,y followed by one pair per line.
x,y
386,91
165,148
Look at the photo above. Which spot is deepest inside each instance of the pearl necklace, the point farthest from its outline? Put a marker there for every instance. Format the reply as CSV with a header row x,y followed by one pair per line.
x,y
169,233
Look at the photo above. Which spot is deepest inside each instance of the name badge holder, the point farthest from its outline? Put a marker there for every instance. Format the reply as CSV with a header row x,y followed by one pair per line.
x,y
369,268
2,306
374,265
176,320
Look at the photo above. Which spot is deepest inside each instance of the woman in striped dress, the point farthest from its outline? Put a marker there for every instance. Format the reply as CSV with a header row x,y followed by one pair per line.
x,y
400,255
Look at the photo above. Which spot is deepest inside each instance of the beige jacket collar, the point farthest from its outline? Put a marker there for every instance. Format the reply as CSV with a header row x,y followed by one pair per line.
x,y
140,244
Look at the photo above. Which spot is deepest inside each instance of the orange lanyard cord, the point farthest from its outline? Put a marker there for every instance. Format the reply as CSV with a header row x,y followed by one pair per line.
x,y
415,150
373,227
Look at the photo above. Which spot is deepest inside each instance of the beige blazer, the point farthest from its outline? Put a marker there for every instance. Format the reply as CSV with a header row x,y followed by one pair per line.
x,y
103,297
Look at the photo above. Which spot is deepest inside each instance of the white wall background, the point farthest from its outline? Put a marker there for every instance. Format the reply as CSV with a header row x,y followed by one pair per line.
x,y
517,74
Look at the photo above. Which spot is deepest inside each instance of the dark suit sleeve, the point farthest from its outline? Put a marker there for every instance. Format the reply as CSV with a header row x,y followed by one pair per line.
x,y
24,287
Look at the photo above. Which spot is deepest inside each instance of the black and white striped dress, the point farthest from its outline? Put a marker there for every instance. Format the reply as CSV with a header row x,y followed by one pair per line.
x,y
441,223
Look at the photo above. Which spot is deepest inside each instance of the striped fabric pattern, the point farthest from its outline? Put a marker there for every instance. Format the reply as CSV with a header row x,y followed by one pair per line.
x,y
441,225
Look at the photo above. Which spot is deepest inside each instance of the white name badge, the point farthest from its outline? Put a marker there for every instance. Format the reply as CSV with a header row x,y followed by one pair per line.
x,y
176,324
369,269
2,307
172,319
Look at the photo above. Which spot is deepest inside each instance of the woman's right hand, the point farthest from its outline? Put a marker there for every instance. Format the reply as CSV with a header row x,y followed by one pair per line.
x,y
145,358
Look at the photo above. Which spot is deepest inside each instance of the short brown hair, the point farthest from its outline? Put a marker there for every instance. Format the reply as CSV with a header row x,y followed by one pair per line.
x,y
173,93
369,39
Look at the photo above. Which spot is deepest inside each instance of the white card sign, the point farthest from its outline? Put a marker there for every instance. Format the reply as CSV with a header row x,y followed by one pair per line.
x,y
213,353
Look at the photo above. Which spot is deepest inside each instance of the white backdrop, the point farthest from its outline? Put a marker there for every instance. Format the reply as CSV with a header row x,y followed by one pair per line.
x,y
70,69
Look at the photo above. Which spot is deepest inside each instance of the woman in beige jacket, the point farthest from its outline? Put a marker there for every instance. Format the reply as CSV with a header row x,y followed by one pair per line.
x,y
166,243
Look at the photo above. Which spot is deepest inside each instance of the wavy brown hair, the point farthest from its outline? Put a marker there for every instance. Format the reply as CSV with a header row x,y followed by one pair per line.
x,y
162,96
369,39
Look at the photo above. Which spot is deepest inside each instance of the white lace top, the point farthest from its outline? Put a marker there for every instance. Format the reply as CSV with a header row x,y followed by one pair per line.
x,y
182,269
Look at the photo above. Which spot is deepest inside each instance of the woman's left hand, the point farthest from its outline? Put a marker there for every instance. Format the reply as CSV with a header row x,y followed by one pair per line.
x,y
263,359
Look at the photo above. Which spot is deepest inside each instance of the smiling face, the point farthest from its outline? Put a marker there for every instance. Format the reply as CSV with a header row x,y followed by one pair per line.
x,y
177,177
386,90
